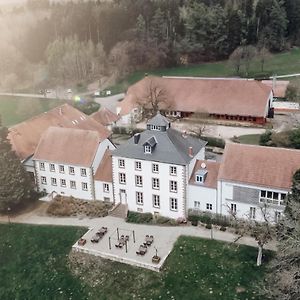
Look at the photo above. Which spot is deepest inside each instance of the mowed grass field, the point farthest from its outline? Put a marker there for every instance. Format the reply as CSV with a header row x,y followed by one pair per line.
x,y
277,64
34,264
14,110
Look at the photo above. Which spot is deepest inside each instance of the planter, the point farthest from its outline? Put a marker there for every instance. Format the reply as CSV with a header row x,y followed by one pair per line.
x,y
156,259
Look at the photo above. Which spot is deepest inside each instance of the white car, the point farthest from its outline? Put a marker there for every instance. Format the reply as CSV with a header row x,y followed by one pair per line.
x,y
69,91
97,94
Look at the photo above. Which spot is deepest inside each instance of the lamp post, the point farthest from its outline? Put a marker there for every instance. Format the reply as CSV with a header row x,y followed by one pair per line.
x,y
8,214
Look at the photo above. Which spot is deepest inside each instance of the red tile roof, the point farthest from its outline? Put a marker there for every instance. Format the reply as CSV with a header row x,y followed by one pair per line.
x,y
279,88
203,95
105,117
260,166
104,171
25,136
212,168
68,146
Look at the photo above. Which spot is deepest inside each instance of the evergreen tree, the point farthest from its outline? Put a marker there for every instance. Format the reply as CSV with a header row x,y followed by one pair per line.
x,y
293,15
284,278
16,186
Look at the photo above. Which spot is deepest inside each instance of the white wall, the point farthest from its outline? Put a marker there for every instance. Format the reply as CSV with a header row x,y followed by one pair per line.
x,y
67,191
199,156
101,194
204,195
147,175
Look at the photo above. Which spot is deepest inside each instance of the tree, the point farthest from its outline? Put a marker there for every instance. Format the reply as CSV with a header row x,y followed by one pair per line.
x,y
293,92
153,100
16,186
263,54
284,280
236,59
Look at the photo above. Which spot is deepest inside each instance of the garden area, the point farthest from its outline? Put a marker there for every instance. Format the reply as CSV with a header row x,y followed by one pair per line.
x,y
36,264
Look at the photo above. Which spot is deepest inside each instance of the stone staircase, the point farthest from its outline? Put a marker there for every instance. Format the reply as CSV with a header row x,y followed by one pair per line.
x,y
119,211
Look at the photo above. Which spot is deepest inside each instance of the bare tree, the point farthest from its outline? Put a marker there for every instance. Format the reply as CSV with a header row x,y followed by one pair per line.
x,y
236,59
153,100
263,54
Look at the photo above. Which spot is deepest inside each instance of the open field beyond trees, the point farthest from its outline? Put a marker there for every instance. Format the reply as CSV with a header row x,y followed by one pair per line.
x,y
14,110
35,264
277,64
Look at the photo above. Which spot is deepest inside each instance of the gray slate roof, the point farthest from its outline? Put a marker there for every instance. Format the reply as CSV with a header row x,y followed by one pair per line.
x,y
159,120
171,147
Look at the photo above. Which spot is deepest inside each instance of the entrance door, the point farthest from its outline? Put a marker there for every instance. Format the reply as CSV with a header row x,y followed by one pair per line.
x,y
123,197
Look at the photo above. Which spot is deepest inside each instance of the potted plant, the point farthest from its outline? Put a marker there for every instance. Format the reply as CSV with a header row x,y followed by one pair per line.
x,y
156,259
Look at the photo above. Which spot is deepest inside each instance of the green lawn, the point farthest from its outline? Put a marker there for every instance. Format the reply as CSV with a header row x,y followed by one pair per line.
x,y
34,265
14,110
279,64
252,139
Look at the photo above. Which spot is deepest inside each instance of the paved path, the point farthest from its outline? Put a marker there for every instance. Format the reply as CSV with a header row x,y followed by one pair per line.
x,y
110,102
112,222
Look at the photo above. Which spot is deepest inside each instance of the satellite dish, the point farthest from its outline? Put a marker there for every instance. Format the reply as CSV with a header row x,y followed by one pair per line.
x,y
203,166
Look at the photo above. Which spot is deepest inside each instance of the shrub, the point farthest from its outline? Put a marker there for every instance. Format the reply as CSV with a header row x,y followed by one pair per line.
x,y
87,107
164,221
135,217
195,222
223,228
208,226
209,218
265,138
214,142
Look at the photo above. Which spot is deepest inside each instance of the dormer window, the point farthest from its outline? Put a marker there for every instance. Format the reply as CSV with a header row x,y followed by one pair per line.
x,y
199,178
148,149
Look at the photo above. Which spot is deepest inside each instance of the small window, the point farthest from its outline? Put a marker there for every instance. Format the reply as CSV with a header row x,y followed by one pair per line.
x,y
197,204
139,198
73,184
275,196
42,166
72,170
252,213
173,186
173,204
106,187
138,180
263,194
155,183
155,168
121,163
156,201
63,183
269,195
43,180
53,181
52,168
61,169
83,172
122,178
138,165
148,149
233,208
173,171
199,178
208,206
84,186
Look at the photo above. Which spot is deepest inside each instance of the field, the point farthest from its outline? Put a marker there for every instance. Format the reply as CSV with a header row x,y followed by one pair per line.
x,y
14,110
277,64
35,265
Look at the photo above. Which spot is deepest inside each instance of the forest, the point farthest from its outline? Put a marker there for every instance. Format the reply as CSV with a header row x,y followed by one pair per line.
x,y
45,42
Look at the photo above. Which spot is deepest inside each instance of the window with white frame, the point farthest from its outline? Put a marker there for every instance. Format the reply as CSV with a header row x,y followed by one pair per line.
x,y
43,180
197,204
155,127
122,178
173,170
52,168
83,172
53,181
121,163
84,186
72,170
147,149
156,201
270,197
42,166
138,165
61,169
252,213
155,168
155,183
277,216
138,180
63,183
173,204
106,187
209,206
73,184
139,198
233,208
173,186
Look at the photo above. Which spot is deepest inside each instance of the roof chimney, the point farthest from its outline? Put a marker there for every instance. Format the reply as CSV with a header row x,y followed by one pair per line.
x,y
136,138
184,134
191,152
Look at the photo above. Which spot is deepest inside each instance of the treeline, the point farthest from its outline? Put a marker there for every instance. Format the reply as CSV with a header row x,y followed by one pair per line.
x,y
121,36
